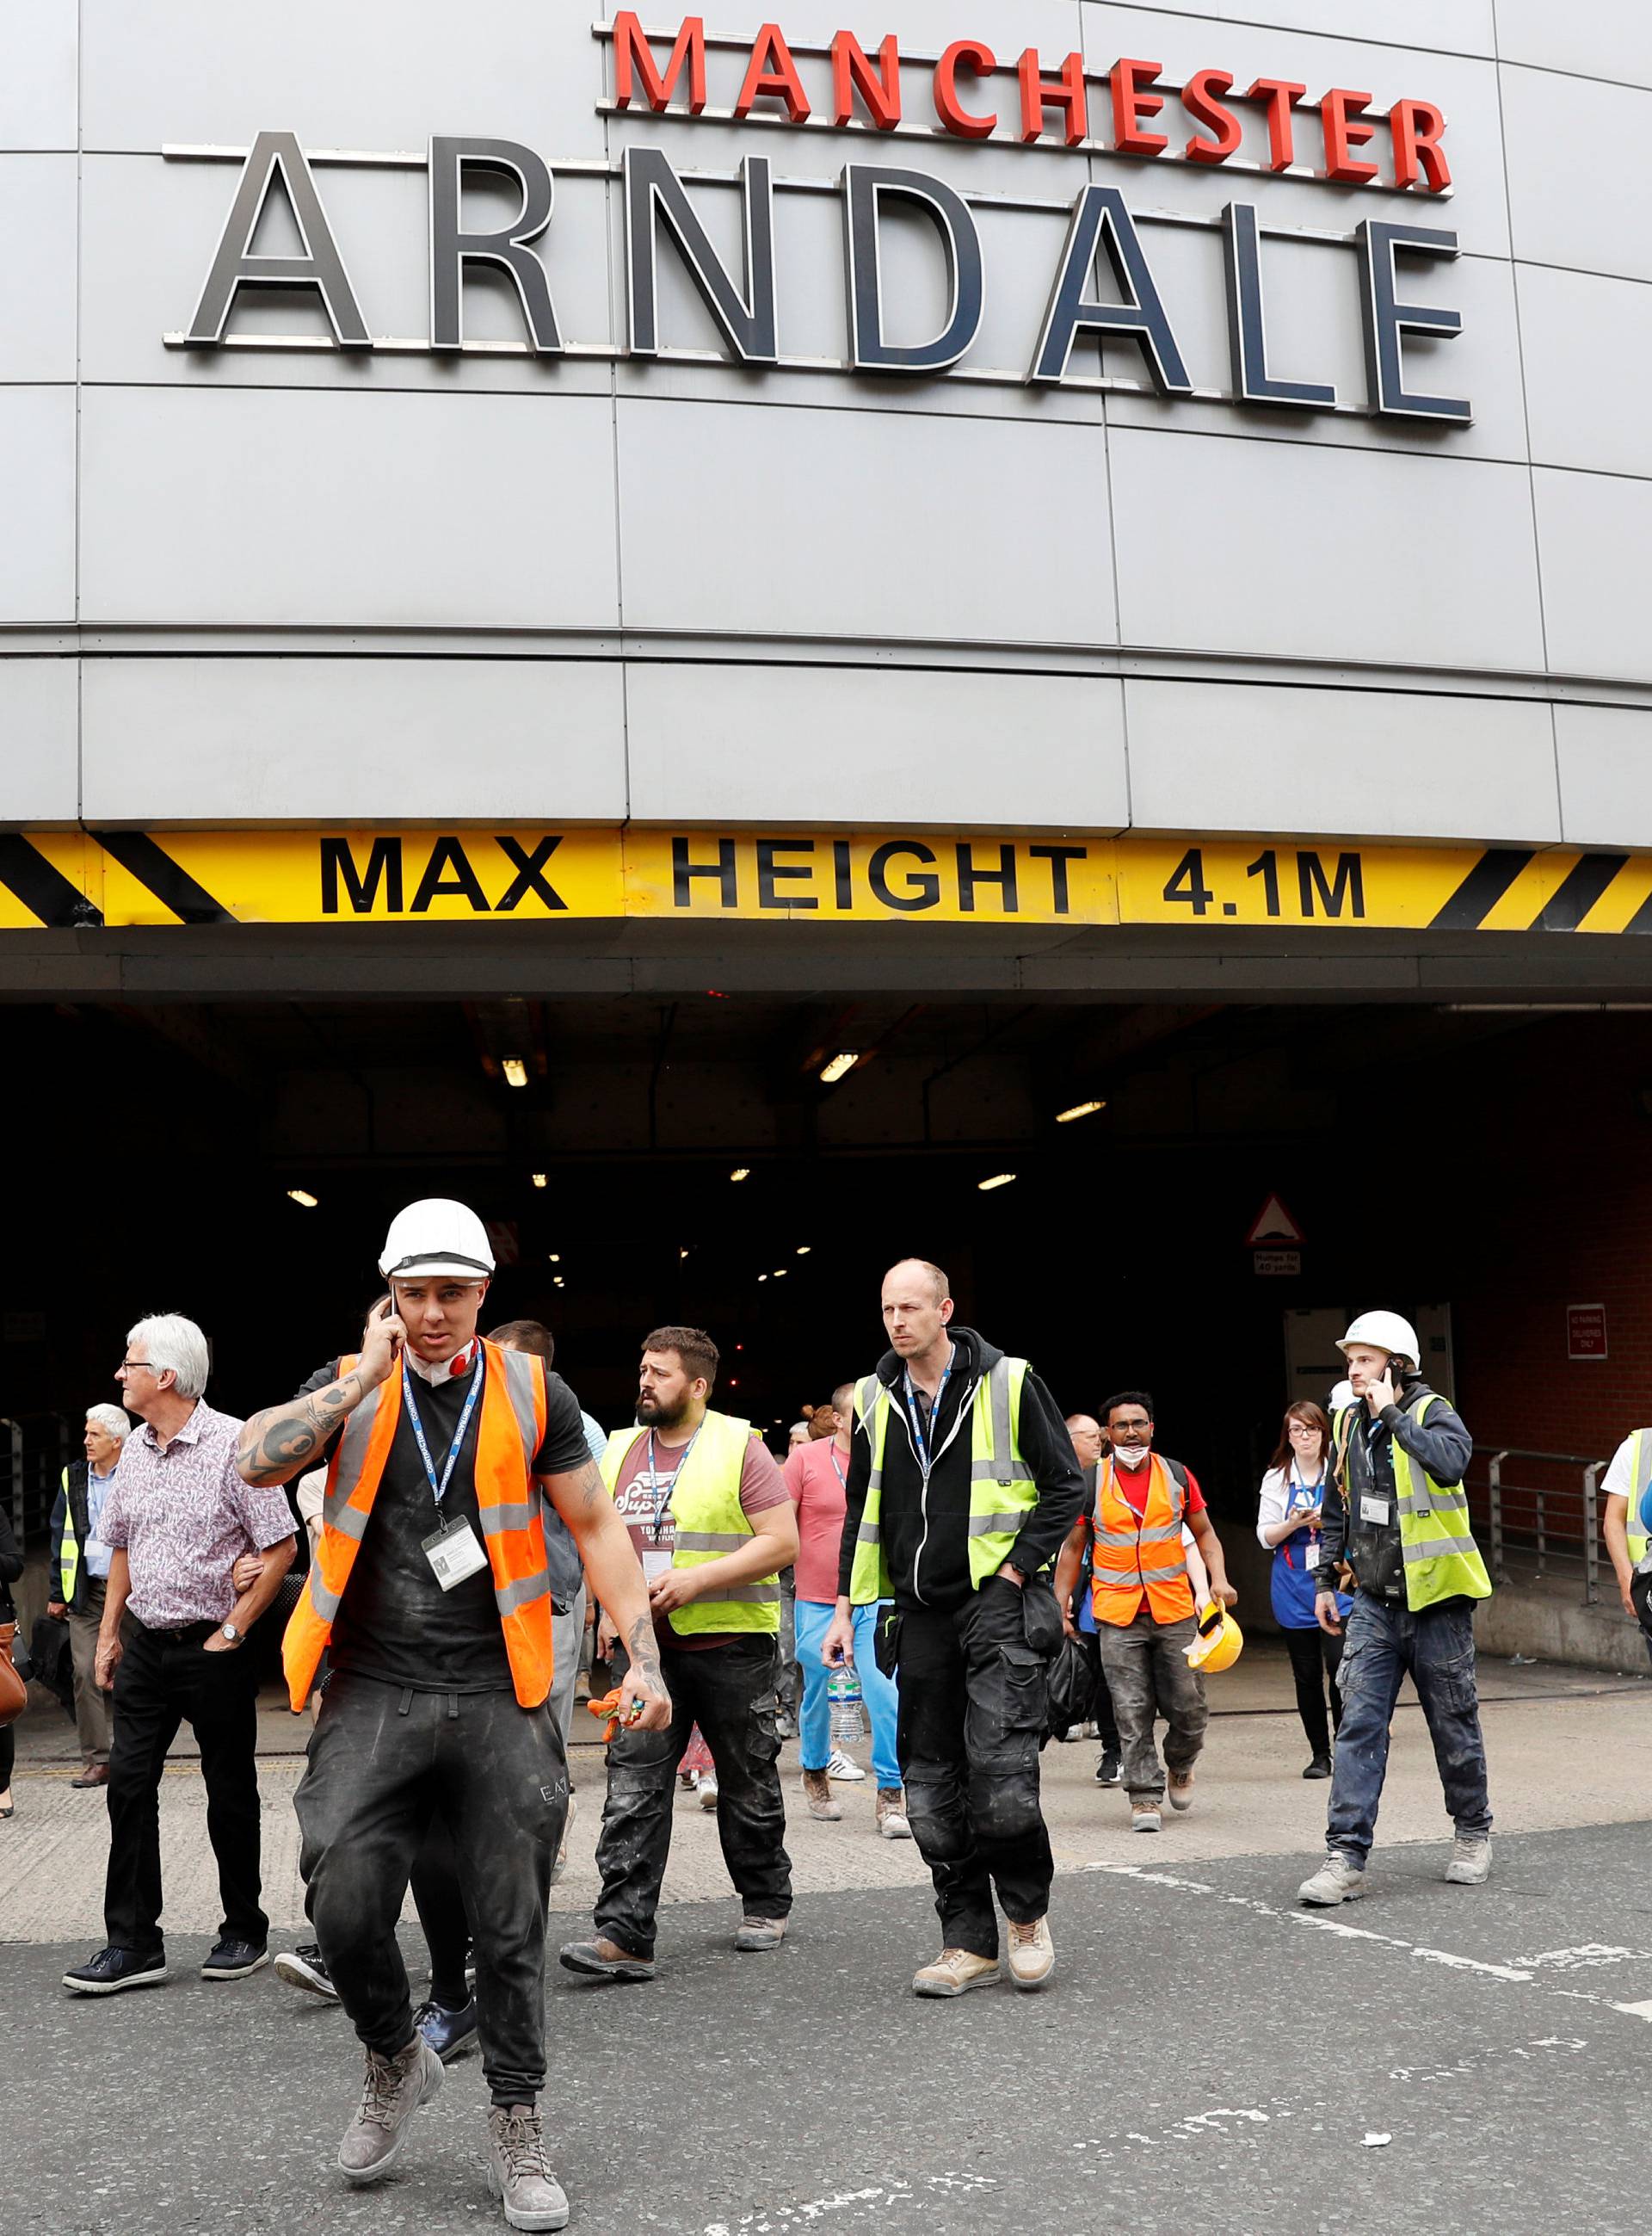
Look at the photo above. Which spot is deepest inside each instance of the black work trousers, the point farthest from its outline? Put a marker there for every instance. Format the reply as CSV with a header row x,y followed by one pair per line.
x,y
730,1691
971,1710
164,1678
383,1761
1315,1657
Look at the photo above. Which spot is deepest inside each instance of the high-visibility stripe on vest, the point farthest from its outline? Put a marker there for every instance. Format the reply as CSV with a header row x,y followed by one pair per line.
x,y
1440,1558
511,1427
1139,1553
68,1557
1001,1492
1641,1479
709,1521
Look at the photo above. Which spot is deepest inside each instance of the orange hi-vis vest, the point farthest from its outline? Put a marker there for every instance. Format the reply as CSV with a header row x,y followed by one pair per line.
x,y
511,1427
1140,1553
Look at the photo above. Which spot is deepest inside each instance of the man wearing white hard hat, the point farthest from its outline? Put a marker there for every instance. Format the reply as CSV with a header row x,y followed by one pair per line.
x,y
430,1593
1396,1516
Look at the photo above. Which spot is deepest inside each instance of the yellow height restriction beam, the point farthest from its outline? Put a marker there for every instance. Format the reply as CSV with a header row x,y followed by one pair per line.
x,y
86,879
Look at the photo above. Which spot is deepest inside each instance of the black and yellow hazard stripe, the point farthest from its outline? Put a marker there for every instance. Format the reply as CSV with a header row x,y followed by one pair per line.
x,y
85,880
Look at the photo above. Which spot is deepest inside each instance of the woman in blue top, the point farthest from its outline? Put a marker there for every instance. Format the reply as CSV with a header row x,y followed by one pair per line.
x,y
1292,1491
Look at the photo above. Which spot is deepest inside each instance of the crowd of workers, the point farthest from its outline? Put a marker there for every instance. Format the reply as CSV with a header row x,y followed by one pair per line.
x,y
948,1534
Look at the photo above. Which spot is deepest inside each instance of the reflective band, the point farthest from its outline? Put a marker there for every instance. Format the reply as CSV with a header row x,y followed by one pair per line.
x,y
869,1533
350,1455
713,1541
875,1481
519,1384
755,1594
352,1523
1434,1549
998,1383
325,1602
526,1589
507,1515
995,1525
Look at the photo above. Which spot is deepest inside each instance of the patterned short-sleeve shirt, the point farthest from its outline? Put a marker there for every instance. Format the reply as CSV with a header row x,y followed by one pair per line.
x,y
184,1517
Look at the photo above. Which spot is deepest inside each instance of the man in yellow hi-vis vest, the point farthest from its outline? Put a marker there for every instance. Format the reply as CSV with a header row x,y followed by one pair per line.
x,y
1624,1519
1397,1515
712,1525
962,1486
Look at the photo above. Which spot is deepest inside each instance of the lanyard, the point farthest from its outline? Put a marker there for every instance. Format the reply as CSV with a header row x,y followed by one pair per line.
x,y
923,1438
439,1491
1308,1490
838,1466
661,1496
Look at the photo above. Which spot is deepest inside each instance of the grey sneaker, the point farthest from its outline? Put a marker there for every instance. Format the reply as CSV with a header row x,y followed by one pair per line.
x,y
1471,1863
1339,1878
394,2089
517,2174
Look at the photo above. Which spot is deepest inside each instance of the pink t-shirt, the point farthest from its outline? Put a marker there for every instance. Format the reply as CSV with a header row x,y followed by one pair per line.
x,y
817,1477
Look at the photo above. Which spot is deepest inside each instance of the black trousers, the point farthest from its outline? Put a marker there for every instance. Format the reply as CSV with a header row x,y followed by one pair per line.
x,y
1103,1719
383,1763
439,1899
165,1679
971,1712
1315,1657
730,1691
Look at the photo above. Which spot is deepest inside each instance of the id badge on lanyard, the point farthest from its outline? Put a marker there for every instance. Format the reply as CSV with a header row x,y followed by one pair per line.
x,y
657,1558
453,1548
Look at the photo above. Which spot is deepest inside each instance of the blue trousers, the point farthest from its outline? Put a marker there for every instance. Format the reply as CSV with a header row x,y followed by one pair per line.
x,y
882,1699
1382,1644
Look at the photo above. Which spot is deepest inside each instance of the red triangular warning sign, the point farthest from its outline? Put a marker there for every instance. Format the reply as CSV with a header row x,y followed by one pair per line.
x,y
1273,1223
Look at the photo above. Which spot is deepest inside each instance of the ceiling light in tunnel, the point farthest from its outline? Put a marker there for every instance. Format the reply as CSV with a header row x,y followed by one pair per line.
x,y
516,1071
681,1255
539,1179
998,1179
763,1277
840,1067
780,1272
555,1258
1078,1110
803,1249
304,1196
741,1172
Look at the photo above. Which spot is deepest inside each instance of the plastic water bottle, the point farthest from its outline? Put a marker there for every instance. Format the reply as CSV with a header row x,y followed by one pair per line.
x,y
844,1700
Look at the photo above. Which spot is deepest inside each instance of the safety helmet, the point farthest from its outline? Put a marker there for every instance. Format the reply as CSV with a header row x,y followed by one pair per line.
x,y
433,1237
1219,1644
1342,1397
1384,1331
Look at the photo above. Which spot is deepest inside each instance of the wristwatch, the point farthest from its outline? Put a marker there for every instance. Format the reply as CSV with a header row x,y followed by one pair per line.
x,y
235,1637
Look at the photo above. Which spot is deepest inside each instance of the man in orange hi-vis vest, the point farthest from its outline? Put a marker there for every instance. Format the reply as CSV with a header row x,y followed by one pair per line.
x,y
430,1595
1144,1602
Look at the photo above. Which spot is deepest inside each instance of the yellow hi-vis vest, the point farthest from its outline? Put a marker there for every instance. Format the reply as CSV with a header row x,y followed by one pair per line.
x,y
1441,1560
69,1564
710,1521
1640,1479
1001,1493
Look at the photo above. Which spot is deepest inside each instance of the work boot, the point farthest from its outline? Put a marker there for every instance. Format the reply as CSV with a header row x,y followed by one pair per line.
x,y
817,1793
891,1821
1110,1771
1031,1953
1471,1863
517,2174
1339,1878
1181,1789
394,2089
1144,1815
757,1936
605,1960
954,1972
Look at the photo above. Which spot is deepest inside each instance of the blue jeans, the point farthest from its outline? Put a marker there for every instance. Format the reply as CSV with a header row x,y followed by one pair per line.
x,y
882,1699
1382,1643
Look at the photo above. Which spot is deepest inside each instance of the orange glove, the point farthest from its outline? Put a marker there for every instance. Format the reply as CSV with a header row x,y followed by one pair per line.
x,y
608,1705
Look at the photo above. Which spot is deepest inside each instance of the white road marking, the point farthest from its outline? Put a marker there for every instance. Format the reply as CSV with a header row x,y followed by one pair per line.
x,y
1634,2010
1577,1960
774,2220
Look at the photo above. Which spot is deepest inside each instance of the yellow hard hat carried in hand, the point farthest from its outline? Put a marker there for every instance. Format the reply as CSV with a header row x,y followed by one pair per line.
x,y
1220,1641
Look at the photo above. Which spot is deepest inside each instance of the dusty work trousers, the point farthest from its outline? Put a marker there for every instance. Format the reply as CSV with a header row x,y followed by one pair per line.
x,y
166,1677
91,1706
1148,1675
973,1707
730,1691
382,1762
438,1895
1382,1644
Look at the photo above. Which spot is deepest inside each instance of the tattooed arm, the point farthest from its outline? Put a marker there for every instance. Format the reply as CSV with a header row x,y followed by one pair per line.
x,y
284,1440
616,1580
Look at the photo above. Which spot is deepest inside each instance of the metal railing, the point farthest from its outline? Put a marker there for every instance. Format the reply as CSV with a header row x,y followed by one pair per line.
x,y
1543,1506
34,1451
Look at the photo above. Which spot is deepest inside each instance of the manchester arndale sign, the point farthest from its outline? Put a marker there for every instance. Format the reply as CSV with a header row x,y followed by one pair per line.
x,y
975,98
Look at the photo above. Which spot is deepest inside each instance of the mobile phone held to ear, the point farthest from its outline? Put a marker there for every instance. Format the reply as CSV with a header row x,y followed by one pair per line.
x,y
389,1313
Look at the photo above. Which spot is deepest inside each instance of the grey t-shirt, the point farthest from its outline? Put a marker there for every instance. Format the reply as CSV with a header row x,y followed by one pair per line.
x,y
395,1624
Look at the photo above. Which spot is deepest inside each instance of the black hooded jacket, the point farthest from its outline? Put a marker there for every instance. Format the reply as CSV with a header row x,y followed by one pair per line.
x,y
926,1538
1441,1447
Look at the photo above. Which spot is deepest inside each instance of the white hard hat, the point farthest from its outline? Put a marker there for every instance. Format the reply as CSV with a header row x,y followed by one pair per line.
x,y
1384,1331
436,1236
1341,1396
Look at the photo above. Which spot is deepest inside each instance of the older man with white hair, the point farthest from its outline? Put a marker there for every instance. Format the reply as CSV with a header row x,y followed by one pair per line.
x,y
80,1570
176,1520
